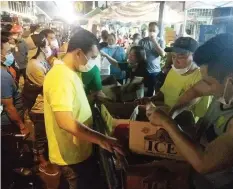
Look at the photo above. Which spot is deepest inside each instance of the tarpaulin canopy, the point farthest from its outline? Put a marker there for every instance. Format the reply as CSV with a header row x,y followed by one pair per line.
x,y
139,11
93,13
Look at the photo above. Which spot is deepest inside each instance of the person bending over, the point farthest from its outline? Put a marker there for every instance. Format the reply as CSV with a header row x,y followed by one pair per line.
x,y
183,75
68,116
211,154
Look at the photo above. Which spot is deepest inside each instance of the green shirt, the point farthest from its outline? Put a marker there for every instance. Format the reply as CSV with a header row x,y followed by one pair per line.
x,y
92,80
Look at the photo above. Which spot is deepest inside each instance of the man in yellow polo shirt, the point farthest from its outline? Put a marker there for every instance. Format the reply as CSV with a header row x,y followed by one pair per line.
x,y
68,116
183,75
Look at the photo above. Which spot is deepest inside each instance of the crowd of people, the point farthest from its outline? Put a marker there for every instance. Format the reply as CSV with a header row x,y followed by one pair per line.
x,y
194,78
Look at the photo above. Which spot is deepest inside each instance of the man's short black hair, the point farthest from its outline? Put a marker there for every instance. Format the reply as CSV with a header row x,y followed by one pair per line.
x,y
136,35
112,34
153,24
4,39
217,54
46,32
104,34
83,40
6,33
34,27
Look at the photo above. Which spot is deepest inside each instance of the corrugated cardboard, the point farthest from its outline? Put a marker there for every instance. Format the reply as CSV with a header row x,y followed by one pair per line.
x,y
110,110
147,139
127,92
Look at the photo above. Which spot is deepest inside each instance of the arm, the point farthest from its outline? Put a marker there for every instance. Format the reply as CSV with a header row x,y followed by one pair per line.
x,y
159,97
65,121
159,47
191,96
12,112
216,156
62,106
110,59
8,86
157,100
99,94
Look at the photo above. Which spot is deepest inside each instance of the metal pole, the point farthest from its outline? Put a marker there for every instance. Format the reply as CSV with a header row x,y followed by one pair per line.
x,y
194,31
160,20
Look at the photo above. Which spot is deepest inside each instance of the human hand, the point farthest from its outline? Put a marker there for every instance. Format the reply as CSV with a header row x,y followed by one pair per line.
x,y
143,101
153,38
158,116
111,144
24,130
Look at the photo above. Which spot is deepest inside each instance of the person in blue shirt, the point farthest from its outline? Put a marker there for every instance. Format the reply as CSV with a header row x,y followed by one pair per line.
x,y
117,53
153,46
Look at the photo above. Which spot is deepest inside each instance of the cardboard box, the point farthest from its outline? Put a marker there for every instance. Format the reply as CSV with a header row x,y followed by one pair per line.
x,y
121,111
164,174
127,92
147,139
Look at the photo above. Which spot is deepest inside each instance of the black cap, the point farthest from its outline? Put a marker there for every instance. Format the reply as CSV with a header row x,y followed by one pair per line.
x,y
183,45
218,48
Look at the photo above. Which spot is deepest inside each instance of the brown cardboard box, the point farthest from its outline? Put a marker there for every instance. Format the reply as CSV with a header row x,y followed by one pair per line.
x,y
120,110
164,174
147,139
127,92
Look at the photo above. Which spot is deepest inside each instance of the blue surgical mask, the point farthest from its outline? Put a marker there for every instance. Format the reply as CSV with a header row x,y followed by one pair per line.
x,y
9,60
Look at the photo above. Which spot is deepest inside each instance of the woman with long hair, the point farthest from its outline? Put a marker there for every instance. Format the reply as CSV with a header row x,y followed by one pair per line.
x,y
137,63
36,70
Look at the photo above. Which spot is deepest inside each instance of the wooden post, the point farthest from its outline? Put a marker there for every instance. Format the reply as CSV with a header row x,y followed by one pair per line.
x,y
160,20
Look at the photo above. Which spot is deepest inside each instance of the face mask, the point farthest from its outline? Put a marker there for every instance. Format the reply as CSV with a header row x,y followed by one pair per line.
x,y
226,99
47,52
90,64
9,60
54,44
183,70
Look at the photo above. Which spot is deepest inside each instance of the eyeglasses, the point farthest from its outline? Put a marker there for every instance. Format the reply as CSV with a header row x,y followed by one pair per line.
x,y
91,58
86,57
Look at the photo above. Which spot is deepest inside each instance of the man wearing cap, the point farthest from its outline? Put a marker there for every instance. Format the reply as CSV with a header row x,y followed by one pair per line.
x,y
183,75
